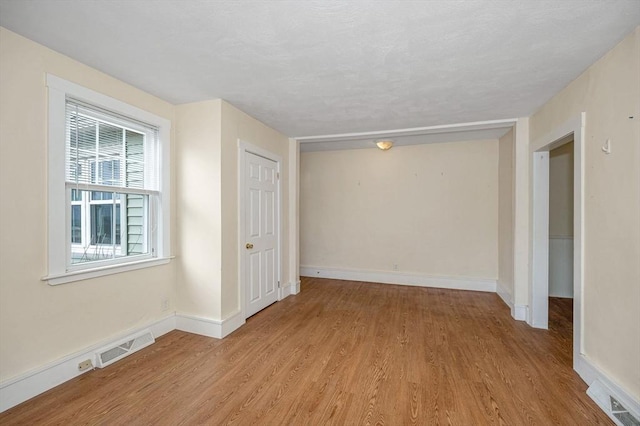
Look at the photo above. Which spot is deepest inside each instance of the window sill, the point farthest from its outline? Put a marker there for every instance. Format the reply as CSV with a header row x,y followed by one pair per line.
x,y
69,277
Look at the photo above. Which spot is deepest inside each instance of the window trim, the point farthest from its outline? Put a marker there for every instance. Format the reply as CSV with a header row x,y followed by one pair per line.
x,y
57,269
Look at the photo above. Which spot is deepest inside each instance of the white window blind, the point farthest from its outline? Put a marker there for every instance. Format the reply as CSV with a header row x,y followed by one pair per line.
x,y
109,152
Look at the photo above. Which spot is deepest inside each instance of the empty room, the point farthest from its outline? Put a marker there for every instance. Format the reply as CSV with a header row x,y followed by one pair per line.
x,y
319,212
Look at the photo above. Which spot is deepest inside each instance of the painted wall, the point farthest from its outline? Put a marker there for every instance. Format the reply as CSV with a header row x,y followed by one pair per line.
x,y
561,191
505,214
429,209
609,93
561,221
199,219
238,125
38,322
207,135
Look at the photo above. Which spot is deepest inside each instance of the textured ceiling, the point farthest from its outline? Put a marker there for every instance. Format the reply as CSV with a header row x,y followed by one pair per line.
x,y
326,67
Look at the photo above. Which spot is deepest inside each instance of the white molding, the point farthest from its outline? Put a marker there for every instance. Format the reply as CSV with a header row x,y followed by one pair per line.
x,y
520,312
32,383
476,125
209,327
504,295
232,323
291,289
107,102
294,217
521,214
590,373
539,241
80,275
384,277
539,288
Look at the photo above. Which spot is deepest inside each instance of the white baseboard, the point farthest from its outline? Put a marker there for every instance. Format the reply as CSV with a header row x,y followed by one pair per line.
x,y
209,327
26,386
601,386
291,289
504,295
520,312
385,277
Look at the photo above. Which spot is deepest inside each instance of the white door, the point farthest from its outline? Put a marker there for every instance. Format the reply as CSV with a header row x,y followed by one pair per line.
x,y
261,254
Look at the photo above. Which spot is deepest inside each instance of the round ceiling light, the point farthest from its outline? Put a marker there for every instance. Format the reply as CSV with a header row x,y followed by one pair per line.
x,y
384,144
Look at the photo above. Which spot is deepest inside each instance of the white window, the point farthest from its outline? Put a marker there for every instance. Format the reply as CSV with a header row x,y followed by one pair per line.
x,y
108,192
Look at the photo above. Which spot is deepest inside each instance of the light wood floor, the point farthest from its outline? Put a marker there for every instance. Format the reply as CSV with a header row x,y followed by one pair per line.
x,y
346,353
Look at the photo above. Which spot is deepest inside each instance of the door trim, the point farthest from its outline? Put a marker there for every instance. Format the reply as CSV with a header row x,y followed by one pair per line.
x,y
540,214
243,148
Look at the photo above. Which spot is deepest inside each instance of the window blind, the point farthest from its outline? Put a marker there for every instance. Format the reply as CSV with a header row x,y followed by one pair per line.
x,y
109,152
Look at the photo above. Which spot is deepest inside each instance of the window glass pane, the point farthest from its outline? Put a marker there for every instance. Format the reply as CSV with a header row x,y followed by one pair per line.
x,y
110,149
76,195
82,145
134,235
76,224
134,149
116,226
102,223
98,196
107,173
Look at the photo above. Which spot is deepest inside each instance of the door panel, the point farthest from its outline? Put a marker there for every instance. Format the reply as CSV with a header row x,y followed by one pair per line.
x,y
254,277
254,213
269,269
269,213
261,253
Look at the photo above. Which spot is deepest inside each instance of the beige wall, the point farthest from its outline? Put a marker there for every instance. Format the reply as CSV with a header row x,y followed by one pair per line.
x,y
561,191
561,221
609,93
199,219
208,133
431,209
238,125
505,213
40,323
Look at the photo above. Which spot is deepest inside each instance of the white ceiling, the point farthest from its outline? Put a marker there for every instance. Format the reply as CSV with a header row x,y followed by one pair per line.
x,y
330,67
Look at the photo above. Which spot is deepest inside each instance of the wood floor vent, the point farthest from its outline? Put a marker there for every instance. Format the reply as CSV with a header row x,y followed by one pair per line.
x,y
122,348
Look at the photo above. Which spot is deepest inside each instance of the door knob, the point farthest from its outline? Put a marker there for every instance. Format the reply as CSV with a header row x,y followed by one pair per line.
x,y
249,246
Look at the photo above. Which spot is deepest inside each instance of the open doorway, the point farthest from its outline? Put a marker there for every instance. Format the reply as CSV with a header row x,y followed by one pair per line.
x,y
561,214
573,130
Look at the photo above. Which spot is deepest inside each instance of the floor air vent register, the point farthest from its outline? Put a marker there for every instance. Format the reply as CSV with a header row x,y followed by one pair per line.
x,y
130,344
616,410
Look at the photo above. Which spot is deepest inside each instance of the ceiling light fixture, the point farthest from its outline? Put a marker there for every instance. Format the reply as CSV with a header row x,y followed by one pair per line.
x,y
384,144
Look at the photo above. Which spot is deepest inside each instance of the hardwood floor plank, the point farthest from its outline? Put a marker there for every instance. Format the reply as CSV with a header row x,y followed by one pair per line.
x,y
342,353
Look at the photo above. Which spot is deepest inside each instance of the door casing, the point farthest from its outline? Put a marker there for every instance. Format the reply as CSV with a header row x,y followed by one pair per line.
x,y
539,282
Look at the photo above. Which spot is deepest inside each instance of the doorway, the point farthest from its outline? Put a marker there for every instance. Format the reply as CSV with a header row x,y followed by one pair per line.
x,y
573,130
561,239
259,236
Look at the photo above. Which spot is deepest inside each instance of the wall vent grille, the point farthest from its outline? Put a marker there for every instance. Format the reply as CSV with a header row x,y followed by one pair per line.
x,y
120,349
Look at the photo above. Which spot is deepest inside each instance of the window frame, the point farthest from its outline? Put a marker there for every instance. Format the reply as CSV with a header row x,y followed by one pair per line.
x,y
59,269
